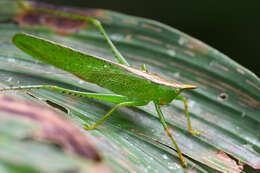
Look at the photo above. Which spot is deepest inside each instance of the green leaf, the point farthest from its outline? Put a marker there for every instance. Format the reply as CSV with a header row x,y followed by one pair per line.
x,y
225,107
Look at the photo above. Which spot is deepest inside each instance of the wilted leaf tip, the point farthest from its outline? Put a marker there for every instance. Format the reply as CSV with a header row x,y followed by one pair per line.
x,y
33,14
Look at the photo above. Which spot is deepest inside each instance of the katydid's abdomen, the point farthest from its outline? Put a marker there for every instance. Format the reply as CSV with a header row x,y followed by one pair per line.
x,y
120,79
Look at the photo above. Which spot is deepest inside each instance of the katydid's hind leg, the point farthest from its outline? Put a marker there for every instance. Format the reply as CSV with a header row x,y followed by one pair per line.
x,y
187,114
113,98
163,122
123,104
27,87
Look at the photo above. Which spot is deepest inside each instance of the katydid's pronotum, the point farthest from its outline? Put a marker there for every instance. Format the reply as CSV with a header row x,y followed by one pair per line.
x,y
132,86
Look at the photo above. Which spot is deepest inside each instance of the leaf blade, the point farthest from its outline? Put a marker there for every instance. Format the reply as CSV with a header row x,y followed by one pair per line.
x,y
175,55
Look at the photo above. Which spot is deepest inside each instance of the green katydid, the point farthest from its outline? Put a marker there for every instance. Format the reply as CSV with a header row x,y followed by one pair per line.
x,y
132,86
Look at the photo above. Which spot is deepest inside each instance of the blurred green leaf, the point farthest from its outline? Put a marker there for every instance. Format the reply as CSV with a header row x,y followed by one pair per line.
x,y
225,107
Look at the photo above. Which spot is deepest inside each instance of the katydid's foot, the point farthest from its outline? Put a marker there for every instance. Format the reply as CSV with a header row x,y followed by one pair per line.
x,y
194,133
86,127
183,163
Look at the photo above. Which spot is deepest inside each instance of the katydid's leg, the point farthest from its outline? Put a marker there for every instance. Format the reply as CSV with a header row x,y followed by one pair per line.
x,y
144,67
187,114
113,98
132,103
94,21
162,120
115,51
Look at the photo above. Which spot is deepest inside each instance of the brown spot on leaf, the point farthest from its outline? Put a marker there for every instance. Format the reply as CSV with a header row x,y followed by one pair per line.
x,y
149,39
221,67
197,45
253,84
54,127
130,21
240,71
227,159
210,83
59,24
150,27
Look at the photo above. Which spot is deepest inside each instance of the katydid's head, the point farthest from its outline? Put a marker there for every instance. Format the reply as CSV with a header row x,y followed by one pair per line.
x,y
167,94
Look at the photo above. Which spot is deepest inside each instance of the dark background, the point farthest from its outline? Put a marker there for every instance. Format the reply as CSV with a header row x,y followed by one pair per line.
x,y
231,26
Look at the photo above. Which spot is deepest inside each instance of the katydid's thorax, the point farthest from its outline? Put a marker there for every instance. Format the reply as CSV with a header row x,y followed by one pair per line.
x,y
148,91
151,92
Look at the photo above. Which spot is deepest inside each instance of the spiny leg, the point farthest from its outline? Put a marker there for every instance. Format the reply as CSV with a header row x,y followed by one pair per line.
x,y
113,98
162,120
132,103
94,21
187,114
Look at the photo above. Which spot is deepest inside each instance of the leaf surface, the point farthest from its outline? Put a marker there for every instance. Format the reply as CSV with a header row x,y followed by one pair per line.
x,y
225,107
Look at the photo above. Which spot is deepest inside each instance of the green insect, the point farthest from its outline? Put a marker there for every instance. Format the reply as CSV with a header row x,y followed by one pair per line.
x,y
132,86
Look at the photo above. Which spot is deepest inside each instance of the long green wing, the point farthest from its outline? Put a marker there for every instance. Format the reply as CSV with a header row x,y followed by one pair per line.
x,y
96,70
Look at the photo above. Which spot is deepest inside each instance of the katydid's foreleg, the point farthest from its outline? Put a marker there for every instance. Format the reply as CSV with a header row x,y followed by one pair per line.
x,y
187,114
163,122
131,103
113,98
97,24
